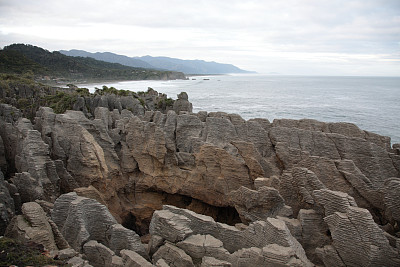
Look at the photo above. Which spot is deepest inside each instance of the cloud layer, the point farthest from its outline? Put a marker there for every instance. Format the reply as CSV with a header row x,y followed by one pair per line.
x,y
290,37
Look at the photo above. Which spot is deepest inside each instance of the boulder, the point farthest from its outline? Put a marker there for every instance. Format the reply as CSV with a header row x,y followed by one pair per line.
x,y
122,238
132,259
182,103
173,256
257,205
32,226
199,246
98,254
81,219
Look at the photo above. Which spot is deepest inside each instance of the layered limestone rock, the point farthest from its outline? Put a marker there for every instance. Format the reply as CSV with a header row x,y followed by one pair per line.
x,y
258,205
81,220
34,226
295,185
7,207
356,239
199,236
182,103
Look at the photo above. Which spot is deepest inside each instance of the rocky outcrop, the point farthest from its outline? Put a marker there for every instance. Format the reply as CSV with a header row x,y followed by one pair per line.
x,y
7,207
258,205
182,103
33,226
82,220
210,188
200,236
98,254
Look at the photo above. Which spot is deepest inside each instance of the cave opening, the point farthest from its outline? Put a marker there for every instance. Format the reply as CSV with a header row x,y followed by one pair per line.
x,y
139,218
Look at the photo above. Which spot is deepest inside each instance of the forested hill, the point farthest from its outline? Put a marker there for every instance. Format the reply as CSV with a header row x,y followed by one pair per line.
x,y
161,63
21,59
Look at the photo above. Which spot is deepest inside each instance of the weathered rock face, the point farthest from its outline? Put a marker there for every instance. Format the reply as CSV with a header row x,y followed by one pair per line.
x,y
7,208
33,226
200,236
81,220
182,103
296,183
257,205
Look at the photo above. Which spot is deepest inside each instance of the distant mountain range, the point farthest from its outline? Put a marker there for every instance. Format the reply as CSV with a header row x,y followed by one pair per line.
x,y
161,63
22,59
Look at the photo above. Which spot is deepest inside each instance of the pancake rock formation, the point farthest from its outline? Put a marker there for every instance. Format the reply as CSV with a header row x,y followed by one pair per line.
x,y
110,183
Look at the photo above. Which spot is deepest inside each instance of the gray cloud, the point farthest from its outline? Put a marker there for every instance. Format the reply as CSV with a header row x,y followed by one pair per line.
x,y
259,35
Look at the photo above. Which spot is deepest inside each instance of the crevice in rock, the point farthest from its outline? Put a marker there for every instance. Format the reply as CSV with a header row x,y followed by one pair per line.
x,y
139,217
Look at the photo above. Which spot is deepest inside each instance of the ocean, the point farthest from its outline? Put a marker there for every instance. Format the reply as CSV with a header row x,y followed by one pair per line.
x,y
372,103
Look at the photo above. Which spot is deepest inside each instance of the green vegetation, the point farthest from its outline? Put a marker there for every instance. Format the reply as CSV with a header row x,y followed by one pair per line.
x,y
28,95
111,90
16,253
39,63
165,102
61,101
142,102
82,91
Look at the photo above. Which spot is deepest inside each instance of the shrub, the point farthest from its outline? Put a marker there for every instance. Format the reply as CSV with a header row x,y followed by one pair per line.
x,y
15,253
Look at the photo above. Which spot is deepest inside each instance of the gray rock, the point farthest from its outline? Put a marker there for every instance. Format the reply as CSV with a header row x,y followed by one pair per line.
x,y
58,237
361,183
182,103
132,259
199,246
334,201
210,262
122,238
155,242
33,159
3,160
392,199
257,234
7,208
188,133
296,187
9,113
81,219
161,263
173,256
117,261
359,241
257,205
67,253
329,256
98,254
173,227
78,262
314,233
219,131
32,226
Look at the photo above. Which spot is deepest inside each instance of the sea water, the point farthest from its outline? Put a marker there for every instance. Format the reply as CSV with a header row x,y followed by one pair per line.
x,y
372,103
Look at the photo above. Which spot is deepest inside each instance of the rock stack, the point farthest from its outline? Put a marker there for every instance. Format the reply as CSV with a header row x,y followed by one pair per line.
x,y
124,187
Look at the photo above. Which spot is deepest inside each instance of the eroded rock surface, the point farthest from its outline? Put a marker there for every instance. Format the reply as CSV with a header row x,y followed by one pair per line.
x,y
304,191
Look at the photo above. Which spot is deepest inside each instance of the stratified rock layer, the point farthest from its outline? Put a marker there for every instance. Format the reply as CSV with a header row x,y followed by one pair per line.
x,y
292,191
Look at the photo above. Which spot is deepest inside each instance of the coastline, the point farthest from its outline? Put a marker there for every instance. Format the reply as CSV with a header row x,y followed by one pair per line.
x,y
137,171
369,102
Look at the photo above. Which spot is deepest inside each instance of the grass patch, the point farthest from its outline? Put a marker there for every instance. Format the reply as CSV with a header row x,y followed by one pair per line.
x,y
16,253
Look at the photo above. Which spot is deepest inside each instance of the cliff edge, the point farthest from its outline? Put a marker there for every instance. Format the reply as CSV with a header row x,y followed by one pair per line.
x,y
128,184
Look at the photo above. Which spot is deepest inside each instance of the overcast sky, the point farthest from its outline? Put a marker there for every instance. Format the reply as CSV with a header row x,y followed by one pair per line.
x,y
303,37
